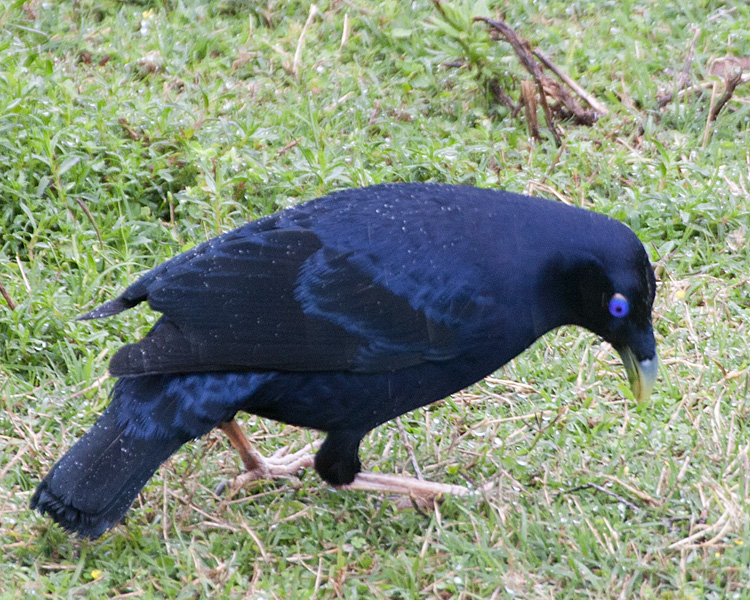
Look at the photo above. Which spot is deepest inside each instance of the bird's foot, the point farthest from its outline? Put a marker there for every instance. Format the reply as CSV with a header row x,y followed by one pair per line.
x,y
422,493
282,464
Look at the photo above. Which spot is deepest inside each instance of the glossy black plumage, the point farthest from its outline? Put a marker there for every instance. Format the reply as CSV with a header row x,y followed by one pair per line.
x,y
341,314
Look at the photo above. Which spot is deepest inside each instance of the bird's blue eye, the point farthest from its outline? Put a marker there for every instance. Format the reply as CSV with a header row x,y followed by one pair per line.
x,y
618,306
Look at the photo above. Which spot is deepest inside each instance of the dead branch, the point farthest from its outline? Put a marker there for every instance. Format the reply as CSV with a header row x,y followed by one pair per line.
x,y
548,111
732,78
545,84
572,84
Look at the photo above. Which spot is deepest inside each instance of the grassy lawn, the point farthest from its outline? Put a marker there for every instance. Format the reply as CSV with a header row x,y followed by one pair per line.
x,y
130,131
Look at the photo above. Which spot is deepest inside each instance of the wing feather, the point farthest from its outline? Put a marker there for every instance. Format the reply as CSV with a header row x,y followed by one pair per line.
x,y
276,300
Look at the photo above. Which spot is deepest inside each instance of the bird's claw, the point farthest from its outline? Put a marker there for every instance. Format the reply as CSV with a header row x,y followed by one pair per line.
x,y
282,464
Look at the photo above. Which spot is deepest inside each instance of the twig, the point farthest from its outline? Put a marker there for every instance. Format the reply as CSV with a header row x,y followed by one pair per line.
x,y
684,77
704,86
632,489
521,47
731,80
501,97
301,41
523,51
697,88
603,490
545,84
572,84
7,297
256,539
288,147
548,112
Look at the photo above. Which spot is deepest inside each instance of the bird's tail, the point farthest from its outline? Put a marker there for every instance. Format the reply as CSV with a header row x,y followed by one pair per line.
x,y
91,488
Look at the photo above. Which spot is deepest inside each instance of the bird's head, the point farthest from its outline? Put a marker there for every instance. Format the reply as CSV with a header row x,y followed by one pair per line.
x,y
610,291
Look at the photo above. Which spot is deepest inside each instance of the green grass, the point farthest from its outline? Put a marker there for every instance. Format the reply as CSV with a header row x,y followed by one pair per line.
x,y
131,131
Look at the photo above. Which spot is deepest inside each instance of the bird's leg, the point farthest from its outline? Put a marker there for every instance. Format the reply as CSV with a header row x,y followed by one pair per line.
x,y
281,464
251,458
338,462
408,486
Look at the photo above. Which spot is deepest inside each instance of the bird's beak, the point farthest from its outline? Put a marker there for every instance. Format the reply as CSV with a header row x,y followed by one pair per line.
x,y
641,374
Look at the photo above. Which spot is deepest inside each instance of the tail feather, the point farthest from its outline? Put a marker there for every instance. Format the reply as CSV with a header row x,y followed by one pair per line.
x,y
91,488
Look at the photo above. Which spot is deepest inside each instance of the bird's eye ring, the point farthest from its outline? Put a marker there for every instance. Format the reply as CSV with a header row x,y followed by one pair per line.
x,y
619,306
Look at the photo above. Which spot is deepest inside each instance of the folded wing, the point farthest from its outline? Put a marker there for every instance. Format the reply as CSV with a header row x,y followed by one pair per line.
x,y
277,299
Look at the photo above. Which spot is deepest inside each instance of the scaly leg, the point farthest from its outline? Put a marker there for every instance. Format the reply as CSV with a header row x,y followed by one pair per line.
x,y
283,464
251,458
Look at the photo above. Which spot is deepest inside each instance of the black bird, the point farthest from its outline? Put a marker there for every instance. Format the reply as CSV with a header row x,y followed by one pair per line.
x,y
343,313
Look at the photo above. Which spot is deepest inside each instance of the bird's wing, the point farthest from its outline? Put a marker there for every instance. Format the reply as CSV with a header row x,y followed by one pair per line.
x,y
280,300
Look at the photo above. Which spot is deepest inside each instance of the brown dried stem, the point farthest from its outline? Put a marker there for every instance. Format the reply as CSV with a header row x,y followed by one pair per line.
x,y
572,84
528,99
546,85
7,297
731,80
